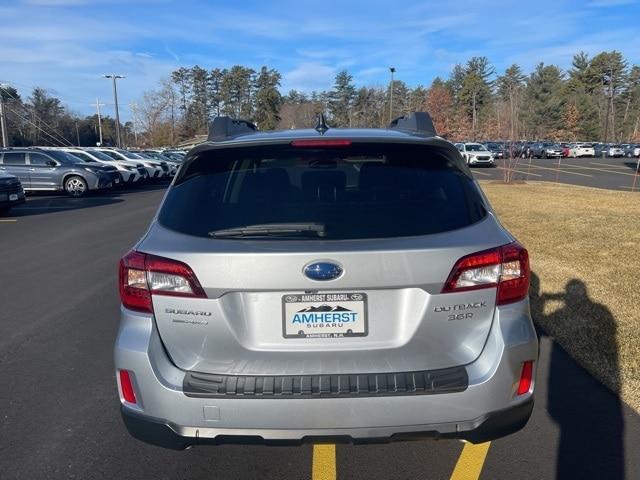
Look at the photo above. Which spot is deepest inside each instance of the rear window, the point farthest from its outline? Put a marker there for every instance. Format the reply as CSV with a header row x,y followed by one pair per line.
x,y
363,191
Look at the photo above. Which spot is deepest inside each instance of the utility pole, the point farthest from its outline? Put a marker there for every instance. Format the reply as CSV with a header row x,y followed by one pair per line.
x,y
115,98
3,123
77,135
392,70
134,109
98,105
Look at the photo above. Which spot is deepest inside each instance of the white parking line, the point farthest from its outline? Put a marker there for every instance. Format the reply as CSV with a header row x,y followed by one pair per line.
x,y
481,173
599,169
521,171
560,170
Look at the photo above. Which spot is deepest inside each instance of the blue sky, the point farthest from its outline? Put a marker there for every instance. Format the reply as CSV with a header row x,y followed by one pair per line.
x,y
66,45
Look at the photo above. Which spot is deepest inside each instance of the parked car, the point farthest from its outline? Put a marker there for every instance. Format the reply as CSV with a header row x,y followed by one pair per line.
x,y
143,172
615,150
546,150
129,173
498,149
53,170
583,150
476,154
158,157
154,169
11,191
304,285
632,150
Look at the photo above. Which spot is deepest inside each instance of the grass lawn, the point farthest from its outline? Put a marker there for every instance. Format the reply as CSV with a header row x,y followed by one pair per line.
x,y
584,245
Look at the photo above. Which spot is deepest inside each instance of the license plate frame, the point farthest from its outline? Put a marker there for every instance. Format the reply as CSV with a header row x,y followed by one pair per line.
x,y
327,323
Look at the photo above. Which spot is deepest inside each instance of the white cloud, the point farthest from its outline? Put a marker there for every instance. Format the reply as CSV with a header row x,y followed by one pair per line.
x,y
309,76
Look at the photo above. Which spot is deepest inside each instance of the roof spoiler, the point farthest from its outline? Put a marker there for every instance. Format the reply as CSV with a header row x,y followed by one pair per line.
x,y
416,122
225,127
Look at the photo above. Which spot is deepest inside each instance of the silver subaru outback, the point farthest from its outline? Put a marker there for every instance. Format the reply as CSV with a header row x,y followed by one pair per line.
x,y
305,285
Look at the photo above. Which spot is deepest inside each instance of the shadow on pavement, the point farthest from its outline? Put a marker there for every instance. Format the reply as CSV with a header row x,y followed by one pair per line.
x,y
51,202
590,418
633,165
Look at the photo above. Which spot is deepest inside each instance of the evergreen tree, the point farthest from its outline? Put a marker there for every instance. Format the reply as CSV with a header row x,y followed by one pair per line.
x,y
341,99
267,99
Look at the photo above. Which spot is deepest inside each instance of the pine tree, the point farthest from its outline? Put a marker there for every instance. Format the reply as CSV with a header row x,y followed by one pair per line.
x,y
341,99
267,99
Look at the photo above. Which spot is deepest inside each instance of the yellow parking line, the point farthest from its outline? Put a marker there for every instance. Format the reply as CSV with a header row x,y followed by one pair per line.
x,y
521,171
471,461
599,169
324,462
561,171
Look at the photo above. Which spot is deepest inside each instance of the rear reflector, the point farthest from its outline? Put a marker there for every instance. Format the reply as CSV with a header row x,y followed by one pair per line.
x,y
526,377
127,387
505,267
143,275
321,143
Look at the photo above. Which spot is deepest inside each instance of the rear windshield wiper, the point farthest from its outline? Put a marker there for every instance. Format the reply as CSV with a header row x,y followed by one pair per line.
x,y
270,229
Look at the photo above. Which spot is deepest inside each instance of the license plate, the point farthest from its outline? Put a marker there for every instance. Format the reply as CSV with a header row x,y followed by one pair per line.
x,y
13,197
324,315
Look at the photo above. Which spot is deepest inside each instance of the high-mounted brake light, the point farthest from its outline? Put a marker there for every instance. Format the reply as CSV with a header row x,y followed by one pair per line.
x,y
321,143
142,275
505,267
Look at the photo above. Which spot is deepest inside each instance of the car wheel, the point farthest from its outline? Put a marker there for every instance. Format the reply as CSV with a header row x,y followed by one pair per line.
x,y
75,186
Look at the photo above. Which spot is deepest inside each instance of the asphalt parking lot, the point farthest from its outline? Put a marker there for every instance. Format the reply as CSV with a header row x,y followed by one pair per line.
x,y
609,173
59,406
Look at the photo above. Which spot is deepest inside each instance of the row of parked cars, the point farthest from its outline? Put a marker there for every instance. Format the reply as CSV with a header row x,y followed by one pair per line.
x,y
558,150
78,171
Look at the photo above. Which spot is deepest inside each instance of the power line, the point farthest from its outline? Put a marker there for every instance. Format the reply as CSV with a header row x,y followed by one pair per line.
x,y
61,144
60,136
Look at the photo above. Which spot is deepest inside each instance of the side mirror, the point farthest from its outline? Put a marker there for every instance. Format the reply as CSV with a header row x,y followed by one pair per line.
x,y
51,163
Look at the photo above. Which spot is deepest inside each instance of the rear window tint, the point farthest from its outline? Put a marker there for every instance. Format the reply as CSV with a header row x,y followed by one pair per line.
x,y
364,191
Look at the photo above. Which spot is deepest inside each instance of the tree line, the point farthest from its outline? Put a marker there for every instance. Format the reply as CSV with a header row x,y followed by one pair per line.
x,y
596,99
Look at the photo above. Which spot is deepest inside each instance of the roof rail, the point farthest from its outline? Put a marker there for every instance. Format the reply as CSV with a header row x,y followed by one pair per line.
x,y
224,127
416,122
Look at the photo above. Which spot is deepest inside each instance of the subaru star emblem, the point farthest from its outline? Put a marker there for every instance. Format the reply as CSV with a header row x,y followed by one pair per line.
x,y
323,271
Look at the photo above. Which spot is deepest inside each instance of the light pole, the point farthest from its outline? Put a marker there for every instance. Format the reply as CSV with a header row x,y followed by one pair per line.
x,y
392,70
115,98
3,123
98,105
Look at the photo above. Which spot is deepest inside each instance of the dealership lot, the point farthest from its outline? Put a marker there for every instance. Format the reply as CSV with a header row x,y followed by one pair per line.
x,y
59,404
609,173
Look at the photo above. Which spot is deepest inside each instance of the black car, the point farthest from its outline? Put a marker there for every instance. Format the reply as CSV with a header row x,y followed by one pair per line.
x,y
11,192
498,149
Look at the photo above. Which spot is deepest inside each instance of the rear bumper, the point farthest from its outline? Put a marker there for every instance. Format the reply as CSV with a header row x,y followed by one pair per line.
x,y
487,408
489,427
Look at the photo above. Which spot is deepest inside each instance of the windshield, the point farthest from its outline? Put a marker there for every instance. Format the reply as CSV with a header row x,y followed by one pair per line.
x,y
366,191
63,157
129,155
102,156
475,147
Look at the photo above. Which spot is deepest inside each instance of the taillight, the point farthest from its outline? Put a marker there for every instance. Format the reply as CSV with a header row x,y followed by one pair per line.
x,y
321,143
142,275
526,377
127,387
505,267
